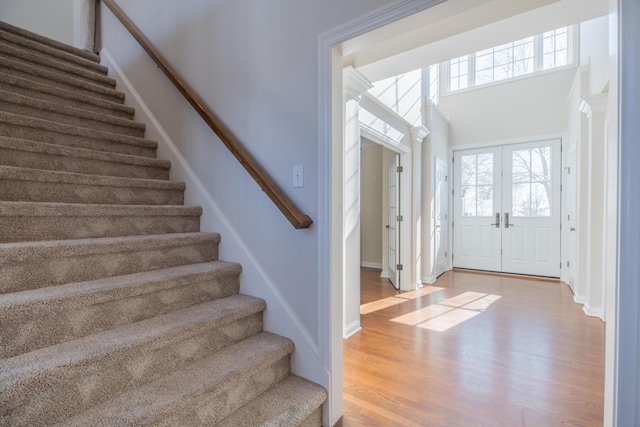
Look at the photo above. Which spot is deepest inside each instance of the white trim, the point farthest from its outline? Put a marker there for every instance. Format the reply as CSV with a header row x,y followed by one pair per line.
x,y
579,299
306,349
351,329
371,264
509,141
384,274
593,312
429,280
355,83
329,216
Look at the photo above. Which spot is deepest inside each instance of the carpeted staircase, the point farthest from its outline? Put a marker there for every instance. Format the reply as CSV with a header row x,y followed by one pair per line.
x,y
114,307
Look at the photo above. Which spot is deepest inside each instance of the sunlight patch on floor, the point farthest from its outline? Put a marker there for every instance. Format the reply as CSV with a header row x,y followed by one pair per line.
x,y
397,299
451,312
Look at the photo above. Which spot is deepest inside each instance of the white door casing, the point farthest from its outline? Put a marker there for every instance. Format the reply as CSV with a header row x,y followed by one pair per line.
x,y
441,222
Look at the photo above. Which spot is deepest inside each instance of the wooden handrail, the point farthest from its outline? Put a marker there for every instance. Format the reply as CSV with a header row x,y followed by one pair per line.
x,y
297,218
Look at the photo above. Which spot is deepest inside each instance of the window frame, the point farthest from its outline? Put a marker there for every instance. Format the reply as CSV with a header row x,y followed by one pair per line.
x,y
538,55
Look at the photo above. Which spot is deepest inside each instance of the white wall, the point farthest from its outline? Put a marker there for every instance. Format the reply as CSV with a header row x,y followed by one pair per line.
x,y
372,228
594,51
514,109
255,64
50,18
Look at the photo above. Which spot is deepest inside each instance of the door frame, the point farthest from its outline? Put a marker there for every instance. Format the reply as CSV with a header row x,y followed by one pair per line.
x,y
330,233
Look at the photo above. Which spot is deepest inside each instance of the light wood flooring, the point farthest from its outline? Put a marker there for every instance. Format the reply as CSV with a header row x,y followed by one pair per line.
x,y
473,350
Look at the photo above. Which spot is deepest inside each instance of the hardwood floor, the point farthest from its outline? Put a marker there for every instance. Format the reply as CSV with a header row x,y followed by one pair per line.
x,y
473,350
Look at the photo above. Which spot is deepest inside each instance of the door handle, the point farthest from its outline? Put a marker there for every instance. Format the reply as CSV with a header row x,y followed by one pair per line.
x,y
572,229
497,223
386,226
506,220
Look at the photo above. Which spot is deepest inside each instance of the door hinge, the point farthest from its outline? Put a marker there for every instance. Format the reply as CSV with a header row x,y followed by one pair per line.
x,y
452,224
560,265
452,191
560,226
568,217
445,254
568,264
399,169
399,267
399,218
446,178
560,187
451,256
453,159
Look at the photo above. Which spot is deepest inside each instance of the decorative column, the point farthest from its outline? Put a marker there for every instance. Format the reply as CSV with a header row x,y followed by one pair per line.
x,y
418,134
594,108
354,84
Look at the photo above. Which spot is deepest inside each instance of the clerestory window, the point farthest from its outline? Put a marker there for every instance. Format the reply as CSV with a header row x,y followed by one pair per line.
x,y
552,49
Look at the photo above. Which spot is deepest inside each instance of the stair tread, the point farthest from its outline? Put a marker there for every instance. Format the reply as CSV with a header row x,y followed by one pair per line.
x,y
19,252
83,153
98,291
41,175
64,360
287,403
19,54
32,122
79,209
218,372
26,43
65,94
4,26
65,79
52,107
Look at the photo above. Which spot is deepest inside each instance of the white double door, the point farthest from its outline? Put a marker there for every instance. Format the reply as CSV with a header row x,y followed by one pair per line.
x,y
507,208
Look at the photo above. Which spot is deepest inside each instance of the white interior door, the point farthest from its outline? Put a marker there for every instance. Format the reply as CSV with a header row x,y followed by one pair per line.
x,y
392,227
507,209
441,209
476,227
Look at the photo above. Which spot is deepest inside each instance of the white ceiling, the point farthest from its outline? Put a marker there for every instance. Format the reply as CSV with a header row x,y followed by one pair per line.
x,y
458,27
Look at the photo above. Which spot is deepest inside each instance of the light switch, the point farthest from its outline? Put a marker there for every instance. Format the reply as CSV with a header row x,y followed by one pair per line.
x,y
298,176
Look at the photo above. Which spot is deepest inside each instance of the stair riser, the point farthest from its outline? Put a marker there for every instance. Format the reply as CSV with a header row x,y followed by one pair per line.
x,y
65,83
37,228
46,93
62,163
212,407
30,328
69,140
54,65
50,52
80,387
46,268
58,117
14,190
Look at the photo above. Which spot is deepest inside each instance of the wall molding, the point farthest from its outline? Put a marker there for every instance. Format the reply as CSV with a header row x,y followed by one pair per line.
x,y
593,312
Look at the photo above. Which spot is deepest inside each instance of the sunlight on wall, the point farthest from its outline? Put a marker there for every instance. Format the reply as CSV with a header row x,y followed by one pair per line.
x,y
402,94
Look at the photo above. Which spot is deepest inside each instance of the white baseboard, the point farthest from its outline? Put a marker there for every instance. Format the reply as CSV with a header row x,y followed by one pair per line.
x,y
578,299
384,274
593,312
351,329
429,280
371,264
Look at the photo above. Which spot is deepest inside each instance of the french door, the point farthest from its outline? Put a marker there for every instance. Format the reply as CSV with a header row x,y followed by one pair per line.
x,y
507,208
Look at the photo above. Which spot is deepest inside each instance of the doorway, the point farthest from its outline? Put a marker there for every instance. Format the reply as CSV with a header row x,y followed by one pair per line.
x,y
507,208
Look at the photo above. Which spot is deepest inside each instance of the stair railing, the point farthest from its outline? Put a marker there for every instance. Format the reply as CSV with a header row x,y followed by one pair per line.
x,y
297,218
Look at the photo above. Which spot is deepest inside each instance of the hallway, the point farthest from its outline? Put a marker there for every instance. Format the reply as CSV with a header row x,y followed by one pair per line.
x,y
473,350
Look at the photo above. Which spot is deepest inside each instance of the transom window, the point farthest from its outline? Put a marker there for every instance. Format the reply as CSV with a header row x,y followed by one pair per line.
x,y
530,55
